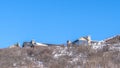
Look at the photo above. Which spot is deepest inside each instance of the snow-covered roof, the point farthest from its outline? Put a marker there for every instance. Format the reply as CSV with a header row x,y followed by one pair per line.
x,y
40,44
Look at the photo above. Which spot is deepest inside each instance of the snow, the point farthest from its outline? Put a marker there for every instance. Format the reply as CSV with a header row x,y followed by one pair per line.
x,y
98,45
14,64
35,62
71,52
59,52
41,44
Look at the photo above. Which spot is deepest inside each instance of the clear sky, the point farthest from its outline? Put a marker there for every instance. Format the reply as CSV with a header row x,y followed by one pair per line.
x,y
55,21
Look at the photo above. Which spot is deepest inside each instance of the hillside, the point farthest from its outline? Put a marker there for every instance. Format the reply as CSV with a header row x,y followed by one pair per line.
x,y
77,54
59,57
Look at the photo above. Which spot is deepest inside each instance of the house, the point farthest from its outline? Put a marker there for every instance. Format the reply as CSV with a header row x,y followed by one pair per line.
x,y
33,44
28,44
83,41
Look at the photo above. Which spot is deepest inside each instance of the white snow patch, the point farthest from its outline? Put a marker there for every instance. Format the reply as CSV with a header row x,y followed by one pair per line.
x,y
59,51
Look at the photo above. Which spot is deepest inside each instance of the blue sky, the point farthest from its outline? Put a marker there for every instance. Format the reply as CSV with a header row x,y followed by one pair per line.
x,y
55,21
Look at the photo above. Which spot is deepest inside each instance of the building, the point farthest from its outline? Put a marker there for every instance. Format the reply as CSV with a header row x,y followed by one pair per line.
x,y
33,44
83,41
